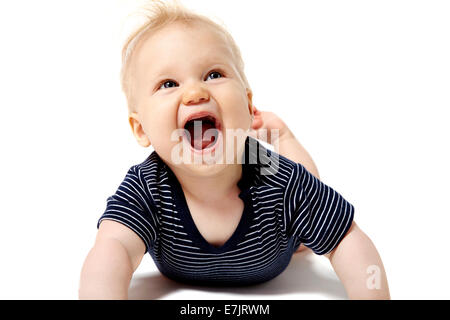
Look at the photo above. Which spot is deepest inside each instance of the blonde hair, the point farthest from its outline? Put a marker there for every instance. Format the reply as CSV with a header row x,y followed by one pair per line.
x,y
159,14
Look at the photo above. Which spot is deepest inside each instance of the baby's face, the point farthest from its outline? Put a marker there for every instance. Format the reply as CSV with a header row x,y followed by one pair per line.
x,y
178,72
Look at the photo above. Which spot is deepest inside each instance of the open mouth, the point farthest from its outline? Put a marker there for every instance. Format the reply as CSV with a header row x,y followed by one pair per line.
x,y
203,132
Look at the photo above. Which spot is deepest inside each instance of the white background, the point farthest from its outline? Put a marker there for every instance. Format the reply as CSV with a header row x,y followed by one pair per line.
x,y
364,85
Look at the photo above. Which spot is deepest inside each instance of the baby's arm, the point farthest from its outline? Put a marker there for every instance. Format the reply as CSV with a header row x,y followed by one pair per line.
x,y
288,145
291,148
359,267
110,264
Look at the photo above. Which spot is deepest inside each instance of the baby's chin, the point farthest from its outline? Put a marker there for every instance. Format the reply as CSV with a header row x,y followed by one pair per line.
x,y
203,170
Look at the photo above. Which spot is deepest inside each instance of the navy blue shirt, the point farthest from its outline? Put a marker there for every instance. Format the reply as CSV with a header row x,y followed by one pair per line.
x,y
281,210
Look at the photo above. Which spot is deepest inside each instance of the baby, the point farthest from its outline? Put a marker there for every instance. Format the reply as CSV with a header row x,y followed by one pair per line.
x,y
211,204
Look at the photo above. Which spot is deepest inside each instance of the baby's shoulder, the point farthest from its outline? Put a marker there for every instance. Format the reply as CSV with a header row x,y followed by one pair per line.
x,y
279,170
150,175
152,169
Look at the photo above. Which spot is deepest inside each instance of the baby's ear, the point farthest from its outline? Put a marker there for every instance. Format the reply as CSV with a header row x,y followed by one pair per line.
x,y
250,100
138,130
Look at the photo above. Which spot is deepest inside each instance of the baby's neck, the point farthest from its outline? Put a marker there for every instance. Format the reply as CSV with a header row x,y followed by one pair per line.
x,y
213,189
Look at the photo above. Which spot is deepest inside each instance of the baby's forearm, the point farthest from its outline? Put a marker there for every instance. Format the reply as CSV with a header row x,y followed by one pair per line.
x,y
106,273
358,265
291,148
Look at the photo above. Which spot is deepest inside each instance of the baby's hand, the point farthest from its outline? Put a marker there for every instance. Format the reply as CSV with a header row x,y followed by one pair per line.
x,y
263,124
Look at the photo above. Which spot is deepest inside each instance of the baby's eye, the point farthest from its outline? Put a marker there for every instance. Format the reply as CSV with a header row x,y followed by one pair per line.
x,y
214,75
168,84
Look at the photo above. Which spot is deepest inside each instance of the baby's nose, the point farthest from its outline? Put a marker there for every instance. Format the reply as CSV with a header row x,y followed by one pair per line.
x,y
195,95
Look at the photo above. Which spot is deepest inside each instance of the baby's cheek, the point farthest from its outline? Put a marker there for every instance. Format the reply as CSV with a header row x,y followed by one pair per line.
x,y
241,112
236,106
163,134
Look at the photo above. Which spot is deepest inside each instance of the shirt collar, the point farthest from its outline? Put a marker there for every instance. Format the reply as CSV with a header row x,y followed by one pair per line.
x,y
250,166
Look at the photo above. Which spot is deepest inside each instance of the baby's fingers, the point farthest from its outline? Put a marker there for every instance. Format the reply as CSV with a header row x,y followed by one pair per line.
x,y
256,111
257,123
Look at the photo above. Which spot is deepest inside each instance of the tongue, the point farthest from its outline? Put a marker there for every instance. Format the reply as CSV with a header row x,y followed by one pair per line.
x,y
200,141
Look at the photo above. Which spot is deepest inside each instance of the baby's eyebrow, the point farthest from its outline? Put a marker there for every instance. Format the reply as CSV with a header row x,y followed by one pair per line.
x,y
204,66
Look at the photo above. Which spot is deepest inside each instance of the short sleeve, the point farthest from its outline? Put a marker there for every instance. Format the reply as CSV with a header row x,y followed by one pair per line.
x,y
131,205
319,216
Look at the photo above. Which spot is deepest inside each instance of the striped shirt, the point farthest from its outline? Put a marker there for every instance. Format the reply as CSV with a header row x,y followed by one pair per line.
x,y
281,211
